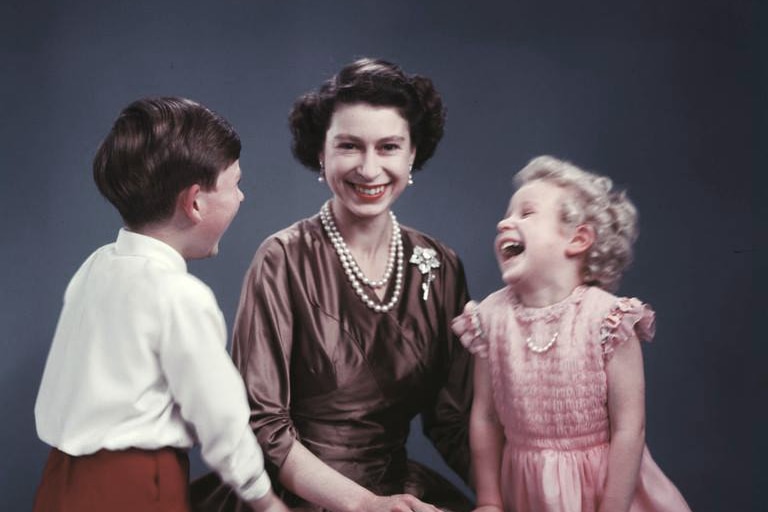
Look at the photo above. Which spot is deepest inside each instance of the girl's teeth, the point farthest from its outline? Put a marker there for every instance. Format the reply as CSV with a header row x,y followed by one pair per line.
x,y
512,248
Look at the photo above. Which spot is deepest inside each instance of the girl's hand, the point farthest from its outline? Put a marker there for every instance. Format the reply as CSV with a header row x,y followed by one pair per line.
x,y
467,327
398,503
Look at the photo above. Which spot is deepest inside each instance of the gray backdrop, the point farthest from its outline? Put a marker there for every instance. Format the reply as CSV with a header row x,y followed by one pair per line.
x,y
660,95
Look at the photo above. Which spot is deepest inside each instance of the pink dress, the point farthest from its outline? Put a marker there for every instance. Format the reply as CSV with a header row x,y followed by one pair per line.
x,y
553,403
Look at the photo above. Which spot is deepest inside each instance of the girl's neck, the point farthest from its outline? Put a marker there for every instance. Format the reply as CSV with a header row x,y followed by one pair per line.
x,y
539,296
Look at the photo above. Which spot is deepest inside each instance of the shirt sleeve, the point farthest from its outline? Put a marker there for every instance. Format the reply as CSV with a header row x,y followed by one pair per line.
x,y
261,348
446,421
207,388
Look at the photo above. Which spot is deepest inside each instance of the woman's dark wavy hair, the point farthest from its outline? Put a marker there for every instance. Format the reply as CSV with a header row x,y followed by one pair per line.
x,y
156,148
375,82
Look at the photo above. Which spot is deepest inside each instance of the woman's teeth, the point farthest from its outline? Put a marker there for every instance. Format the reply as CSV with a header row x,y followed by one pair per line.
x,y
509,249
369,191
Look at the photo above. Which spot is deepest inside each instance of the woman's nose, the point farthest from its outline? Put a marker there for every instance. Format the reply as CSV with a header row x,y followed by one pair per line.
x,y
369,168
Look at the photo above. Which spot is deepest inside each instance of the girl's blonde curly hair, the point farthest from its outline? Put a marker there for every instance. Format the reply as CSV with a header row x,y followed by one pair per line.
x,y
591,201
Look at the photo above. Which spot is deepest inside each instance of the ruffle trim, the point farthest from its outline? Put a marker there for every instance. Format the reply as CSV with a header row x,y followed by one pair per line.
x,y
628,317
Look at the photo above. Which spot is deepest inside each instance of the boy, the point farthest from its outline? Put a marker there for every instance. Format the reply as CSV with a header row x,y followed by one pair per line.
x,y
138,370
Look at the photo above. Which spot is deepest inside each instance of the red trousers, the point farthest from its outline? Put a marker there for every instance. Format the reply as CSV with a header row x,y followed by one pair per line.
x,y
129,480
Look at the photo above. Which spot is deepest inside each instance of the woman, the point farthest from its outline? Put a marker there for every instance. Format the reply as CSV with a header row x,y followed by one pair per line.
x,y
343,329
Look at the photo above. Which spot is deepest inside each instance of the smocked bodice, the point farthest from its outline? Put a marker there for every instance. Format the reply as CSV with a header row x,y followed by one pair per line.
x,y
551,395
553,399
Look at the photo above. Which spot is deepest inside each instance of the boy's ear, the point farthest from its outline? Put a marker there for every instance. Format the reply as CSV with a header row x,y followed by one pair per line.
x,y
190,202
582,239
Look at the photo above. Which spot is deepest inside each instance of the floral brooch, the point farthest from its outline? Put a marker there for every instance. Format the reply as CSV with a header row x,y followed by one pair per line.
x,y
426,259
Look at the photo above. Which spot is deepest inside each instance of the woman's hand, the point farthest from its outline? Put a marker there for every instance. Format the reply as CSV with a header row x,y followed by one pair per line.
x,y
469,330
488,508
268,503
398,503
307,476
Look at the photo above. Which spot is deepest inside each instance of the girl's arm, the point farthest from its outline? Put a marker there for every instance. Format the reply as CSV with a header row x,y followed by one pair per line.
x,y
307,476
486,438
626,408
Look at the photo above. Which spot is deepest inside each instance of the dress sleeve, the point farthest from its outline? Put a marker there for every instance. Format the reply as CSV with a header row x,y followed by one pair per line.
x,y
261,349
446,421
627,317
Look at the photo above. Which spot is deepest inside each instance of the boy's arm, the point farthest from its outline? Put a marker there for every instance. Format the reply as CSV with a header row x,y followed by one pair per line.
x,y
626,408
486,437
207,388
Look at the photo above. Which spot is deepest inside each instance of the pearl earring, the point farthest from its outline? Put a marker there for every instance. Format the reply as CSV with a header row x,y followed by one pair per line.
x,y
410,179
321,177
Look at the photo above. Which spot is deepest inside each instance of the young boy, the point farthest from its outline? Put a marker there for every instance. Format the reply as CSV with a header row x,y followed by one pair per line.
x,y
138,370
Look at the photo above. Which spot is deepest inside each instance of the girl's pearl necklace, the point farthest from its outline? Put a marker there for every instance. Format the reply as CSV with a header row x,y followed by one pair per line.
x,y
540,350
354,274
547,315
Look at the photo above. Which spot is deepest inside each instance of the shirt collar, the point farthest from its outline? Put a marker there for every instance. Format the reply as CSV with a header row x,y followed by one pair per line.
x,y
135,244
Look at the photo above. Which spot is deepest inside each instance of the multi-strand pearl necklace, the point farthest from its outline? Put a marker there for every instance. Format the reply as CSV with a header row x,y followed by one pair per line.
x,y
352,270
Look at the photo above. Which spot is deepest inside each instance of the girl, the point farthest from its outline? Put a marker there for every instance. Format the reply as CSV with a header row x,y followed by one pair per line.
x,y
557,422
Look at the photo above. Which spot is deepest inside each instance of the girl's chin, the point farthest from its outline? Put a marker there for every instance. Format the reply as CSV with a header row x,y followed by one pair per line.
x,y
509,271
510,278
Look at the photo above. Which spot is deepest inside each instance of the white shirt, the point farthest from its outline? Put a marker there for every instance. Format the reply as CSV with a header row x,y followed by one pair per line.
x,y
139,360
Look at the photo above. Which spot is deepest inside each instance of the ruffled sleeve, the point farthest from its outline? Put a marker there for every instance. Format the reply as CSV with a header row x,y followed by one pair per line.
x,y
627,317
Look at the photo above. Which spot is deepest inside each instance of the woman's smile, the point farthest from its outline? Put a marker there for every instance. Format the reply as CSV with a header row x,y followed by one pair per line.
x,y
369,192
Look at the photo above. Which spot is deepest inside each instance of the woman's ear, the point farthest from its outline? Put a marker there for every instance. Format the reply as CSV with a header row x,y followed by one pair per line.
x,y
190,203
582,239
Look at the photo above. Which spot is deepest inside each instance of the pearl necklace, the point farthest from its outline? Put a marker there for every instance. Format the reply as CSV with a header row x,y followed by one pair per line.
x,y
537,349
547,315
352,270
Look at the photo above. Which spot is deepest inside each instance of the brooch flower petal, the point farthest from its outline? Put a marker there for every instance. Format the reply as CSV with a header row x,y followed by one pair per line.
x,y
425,259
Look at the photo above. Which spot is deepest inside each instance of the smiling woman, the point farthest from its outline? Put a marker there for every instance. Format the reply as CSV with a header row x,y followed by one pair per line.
x,y
343,329
367,159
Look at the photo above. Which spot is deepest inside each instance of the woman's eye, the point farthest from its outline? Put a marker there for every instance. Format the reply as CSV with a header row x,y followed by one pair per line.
x,y
346,145
390,147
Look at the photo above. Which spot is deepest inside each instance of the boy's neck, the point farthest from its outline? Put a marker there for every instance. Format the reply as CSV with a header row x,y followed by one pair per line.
x,y
167,233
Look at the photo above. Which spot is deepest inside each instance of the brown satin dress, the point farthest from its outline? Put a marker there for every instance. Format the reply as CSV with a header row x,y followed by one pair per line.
x,y
321,367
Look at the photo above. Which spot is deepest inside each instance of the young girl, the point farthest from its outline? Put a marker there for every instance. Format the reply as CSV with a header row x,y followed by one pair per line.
x,y
558,418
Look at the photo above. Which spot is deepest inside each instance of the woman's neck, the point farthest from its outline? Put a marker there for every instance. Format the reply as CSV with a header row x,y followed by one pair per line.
x,y
370,243
365,237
